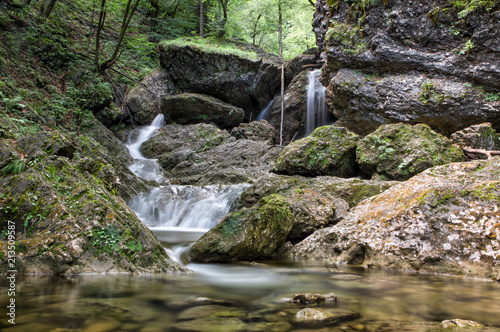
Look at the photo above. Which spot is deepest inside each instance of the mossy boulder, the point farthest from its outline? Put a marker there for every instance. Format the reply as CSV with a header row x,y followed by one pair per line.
x,y
480,136
399,151
189,108
314,202
443,220
250,233
67,214
329,150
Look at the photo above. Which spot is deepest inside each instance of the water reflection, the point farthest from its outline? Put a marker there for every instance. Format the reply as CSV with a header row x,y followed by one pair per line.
x,y
245,297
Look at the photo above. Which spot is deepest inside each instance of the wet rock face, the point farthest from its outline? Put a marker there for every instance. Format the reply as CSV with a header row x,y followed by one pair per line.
x,y
144,105
407,44
444,220
203,154
247,84
295,108
247,234
401,151
329,150
68,215
189,108
362,102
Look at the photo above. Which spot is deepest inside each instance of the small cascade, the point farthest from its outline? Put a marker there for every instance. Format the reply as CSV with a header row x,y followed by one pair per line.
x,y
190,207
179,214
317,111
147,169
263,114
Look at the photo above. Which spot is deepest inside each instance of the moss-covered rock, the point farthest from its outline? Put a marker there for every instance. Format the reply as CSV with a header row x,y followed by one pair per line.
x,y
67,214
314,202
328,150
250,233
443,220
399,151
480,136
189,108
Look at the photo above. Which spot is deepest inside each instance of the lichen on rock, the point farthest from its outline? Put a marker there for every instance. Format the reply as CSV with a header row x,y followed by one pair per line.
x,y
400,151
444,220
329,150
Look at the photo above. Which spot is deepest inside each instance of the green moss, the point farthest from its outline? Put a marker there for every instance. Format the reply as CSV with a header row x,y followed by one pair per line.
x,y
210,45
347,36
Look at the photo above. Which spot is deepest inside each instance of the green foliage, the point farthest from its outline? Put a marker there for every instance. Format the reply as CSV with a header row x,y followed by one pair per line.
x,y
346,36
465,49
215,45
257,22
465,7
104,239
492,97
14,167
429,95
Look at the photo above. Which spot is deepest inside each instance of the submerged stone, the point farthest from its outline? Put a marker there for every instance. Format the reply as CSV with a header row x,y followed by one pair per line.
x,y
460,324
320,317
307,298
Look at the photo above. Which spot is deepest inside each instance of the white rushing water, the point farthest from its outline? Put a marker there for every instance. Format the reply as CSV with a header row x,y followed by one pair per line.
x,y
263,114
147,169
175,213
317,111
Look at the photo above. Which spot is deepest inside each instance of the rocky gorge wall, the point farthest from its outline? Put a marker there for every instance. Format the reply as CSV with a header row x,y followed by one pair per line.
x,y
433,62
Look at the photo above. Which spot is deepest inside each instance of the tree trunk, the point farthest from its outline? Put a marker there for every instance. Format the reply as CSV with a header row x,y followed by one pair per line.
x,y
153,20
280,25
48,9
201,18
100,24
127,17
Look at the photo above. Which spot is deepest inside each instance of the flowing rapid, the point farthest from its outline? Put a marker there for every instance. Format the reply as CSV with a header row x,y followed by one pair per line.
x,y
317,111
145,168
176,214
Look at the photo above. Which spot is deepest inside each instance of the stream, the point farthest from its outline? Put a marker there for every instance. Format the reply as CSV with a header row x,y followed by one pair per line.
x,y
245,296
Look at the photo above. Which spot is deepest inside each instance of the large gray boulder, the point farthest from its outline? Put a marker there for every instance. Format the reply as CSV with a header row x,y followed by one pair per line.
x,y
444,220
144,99
240,81
189,108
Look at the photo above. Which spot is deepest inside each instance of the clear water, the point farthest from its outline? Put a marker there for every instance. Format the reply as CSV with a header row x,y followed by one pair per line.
x,y
259,293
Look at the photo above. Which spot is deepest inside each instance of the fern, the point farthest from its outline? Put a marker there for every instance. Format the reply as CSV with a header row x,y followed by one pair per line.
x,y
15,167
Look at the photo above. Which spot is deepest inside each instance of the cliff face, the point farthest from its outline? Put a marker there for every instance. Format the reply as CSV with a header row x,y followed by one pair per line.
x,y
411,61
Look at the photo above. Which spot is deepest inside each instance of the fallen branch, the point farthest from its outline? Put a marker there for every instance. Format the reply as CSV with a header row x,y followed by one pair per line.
x,y
488,153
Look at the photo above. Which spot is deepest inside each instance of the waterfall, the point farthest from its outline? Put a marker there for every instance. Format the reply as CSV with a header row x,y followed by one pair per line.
x,y
317,112
175,213
263,114
147,169
180,213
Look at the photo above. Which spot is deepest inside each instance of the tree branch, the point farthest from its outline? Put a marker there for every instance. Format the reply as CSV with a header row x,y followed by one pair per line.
x,y
488,153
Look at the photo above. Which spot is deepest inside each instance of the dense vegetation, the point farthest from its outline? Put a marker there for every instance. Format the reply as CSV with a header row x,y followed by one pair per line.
x,y
62,62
